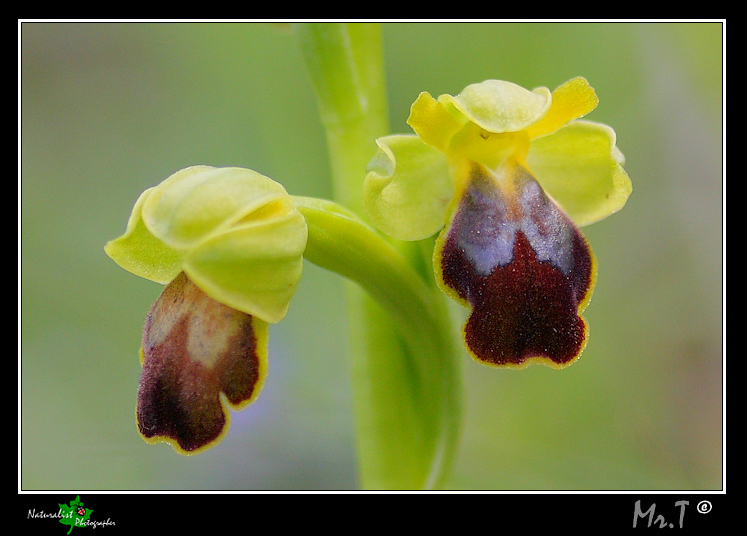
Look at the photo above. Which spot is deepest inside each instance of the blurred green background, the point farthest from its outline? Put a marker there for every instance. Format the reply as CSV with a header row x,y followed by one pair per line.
x,y
109,109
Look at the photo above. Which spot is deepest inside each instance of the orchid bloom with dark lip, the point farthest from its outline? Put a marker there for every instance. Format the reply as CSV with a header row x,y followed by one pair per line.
x,y
228,245
507,176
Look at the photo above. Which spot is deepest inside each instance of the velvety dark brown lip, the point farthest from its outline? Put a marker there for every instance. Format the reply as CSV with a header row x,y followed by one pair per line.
x,y
194,348
525,270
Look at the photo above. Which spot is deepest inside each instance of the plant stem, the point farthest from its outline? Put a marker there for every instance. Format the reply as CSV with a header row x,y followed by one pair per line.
x,y
345,63
405,378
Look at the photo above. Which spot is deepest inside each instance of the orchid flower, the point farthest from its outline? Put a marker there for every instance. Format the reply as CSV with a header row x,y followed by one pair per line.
x,y
228,245
507,176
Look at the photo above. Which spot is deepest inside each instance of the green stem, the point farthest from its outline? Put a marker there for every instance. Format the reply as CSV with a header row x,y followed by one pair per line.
x,y
405,378
345,64
408,389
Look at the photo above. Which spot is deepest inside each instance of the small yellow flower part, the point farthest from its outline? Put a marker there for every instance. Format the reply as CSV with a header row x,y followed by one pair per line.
x,y
228,243
506,175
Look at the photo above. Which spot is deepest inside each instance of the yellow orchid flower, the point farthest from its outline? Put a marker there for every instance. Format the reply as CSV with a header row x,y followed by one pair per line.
x,y
228,243
507,176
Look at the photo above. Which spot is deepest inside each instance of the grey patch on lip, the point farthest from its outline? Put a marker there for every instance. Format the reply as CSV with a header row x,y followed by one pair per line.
x,y
484,230
482,227
549,231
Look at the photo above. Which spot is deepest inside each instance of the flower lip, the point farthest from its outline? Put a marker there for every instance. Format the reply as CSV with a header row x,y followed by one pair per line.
x,y
197,354
521,266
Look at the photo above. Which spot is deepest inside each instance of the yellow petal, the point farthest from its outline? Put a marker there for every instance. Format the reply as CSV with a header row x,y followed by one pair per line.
x,y
501,107
581,168
407,188
199,201
139,252
433,121
255,266
572,100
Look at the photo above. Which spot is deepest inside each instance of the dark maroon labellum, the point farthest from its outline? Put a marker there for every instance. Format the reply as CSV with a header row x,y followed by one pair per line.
x,y
524,268
194,349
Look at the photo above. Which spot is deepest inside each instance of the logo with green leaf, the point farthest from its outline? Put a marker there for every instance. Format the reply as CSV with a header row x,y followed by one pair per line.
x,y
74,515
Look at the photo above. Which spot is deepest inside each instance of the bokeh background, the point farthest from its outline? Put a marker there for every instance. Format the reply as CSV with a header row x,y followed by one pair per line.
x,y
108,110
